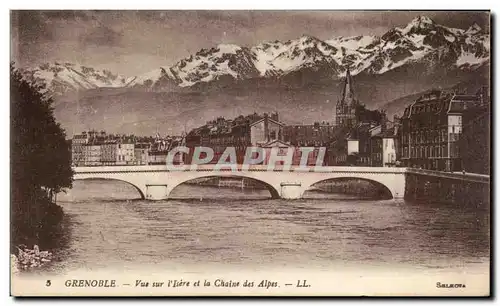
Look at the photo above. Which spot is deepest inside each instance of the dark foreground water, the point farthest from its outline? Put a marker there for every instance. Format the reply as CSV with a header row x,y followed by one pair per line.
x,y
108,227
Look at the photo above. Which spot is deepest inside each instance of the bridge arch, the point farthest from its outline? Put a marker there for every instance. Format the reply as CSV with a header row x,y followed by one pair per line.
x,y
142,192
272,189
382,186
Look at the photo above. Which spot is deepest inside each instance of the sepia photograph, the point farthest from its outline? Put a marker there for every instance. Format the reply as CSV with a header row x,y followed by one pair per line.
x,y
250,153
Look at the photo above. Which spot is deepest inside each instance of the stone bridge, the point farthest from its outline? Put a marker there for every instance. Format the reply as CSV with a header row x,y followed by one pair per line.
x,y
157,182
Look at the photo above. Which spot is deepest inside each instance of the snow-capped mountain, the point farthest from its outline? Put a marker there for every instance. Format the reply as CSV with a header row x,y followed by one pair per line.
x,y
207,65
274,59
231,62
422,42
64,77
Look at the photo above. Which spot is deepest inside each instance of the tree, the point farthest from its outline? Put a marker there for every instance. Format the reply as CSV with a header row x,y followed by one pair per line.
x,y
40,159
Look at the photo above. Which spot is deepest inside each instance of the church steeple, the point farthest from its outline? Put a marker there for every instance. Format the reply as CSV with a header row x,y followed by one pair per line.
x,y
348,90
347,104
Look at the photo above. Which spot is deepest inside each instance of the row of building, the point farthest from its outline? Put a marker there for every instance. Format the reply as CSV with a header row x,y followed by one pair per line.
x,y
446,131
94,148
440,131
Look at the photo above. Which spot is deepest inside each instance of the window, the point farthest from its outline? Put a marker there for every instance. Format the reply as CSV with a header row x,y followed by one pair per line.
x,y
273,135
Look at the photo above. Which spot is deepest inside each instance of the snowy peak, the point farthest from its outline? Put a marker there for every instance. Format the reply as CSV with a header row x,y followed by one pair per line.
x,y
224,61
308,40
421,22
473,29
419,25
62,77
228,48
299,53
421,42
353,43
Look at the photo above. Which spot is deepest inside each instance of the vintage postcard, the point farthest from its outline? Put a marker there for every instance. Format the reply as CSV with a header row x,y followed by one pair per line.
x,y
250,153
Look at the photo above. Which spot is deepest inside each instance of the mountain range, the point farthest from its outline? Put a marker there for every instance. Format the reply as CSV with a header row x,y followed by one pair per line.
x,y
303,74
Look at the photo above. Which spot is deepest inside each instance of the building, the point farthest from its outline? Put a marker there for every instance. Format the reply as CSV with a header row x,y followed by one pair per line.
x,y
141,153
266,130
109,152
351,141
78,143
431,128
285,148
125,154
346,110
282,148
85,148
92,154
475,148
352,147
158,151
383,148
116,150
240,133
97,148
309,135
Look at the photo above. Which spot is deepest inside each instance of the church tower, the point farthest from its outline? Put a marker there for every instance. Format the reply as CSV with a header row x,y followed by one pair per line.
x,y
346,106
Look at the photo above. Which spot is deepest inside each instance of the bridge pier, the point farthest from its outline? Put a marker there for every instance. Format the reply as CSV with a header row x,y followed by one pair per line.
x,y
291,191
156,192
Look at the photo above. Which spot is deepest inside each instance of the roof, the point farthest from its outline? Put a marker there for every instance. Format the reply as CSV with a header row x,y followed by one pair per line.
x,y
80,137
269,119
142,145
276,143
465,98
440,101
389,133
460,103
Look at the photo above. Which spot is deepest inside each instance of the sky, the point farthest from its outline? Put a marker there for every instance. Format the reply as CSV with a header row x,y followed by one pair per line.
x,y
133,42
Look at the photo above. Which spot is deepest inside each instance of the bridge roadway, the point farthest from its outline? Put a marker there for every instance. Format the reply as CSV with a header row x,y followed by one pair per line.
x,y
156,182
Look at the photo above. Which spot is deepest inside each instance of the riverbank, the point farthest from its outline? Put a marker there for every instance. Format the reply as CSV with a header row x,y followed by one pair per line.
x,y
27,259
36,230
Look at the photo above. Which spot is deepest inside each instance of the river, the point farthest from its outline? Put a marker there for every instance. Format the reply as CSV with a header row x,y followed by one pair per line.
x,y
107,226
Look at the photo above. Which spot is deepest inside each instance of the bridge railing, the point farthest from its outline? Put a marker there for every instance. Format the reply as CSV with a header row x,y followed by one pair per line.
x,y
263,168
473,177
